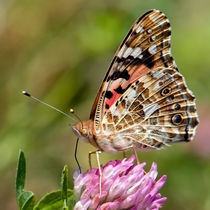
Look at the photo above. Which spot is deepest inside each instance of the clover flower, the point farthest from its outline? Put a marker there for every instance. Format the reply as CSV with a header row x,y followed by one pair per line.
x,y
124,186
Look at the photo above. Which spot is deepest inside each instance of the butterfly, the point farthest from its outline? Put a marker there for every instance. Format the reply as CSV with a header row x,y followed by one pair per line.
x,y
143,102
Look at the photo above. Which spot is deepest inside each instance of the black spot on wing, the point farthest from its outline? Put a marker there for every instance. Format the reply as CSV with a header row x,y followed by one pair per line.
x,y
166,33
120,74
125,75
108,94
125,61
119,90
147,59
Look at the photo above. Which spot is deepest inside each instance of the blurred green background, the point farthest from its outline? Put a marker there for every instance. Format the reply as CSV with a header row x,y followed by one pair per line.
x,y
60,52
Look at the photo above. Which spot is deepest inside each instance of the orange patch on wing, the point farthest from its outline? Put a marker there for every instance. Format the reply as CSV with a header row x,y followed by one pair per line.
x,y
138,72
135,74
113,99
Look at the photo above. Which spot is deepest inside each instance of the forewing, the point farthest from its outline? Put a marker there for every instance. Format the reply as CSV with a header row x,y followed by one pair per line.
x,y
146,47
157,110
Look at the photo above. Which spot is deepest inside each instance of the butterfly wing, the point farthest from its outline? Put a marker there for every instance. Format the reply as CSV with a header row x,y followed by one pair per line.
x,y
157,110
146,47
144,101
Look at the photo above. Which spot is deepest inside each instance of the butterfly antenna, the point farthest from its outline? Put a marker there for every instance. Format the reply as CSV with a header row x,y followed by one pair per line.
x,y
72,112
48,105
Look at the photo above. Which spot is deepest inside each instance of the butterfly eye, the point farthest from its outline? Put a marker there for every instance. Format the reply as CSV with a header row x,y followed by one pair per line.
x,y
177,119
165,91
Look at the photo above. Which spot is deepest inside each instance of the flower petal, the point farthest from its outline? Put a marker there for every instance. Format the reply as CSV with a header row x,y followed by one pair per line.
x,y
124,186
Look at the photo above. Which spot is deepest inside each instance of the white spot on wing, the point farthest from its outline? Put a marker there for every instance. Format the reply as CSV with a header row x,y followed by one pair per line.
x,y
157,74
153,38
158,20
154,19
149,110
141,56
149,31
136,52
139,30
161,23
115,112
153,49
131,95
127,52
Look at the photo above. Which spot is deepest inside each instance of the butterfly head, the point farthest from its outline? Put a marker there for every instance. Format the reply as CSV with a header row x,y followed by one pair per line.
x,y
83,130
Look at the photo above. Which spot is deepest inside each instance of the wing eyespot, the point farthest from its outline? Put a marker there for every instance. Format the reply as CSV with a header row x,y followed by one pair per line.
x,y
177,107
171,97
177,119
165,91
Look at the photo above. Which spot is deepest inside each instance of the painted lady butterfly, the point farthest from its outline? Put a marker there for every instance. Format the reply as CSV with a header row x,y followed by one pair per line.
x,y
143,102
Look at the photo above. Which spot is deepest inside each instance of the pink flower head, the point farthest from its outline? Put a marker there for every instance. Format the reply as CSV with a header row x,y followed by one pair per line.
x,y
124,186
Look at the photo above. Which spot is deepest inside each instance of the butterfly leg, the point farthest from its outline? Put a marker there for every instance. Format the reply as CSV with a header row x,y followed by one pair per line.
x,y
90,157
136,155
99,167
134,151
100,173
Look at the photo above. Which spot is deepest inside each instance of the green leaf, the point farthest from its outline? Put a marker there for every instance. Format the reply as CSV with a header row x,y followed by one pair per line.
x,y
64,186
54,201
26,200
71,202
21,174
